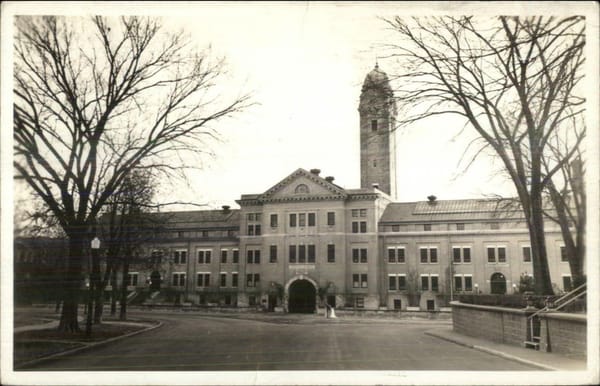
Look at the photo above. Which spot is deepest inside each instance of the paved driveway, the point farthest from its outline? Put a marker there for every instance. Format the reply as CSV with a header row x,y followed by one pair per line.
x,y
198,342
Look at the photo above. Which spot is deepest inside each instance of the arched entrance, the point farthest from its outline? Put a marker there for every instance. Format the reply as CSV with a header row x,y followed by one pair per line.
x,y
302,297
498,282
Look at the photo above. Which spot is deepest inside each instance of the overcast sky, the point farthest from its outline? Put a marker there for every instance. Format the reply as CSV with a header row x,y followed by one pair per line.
x,y
304,64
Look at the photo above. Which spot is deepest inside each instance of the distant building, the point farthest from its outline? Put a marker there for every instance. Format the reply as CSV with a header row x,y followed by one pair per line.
x,y
306,239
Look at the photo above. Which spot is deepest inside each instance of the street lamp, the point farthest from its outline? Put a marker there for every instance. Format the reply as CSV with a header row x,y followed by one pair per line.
x,y
514,288
477,288
88,325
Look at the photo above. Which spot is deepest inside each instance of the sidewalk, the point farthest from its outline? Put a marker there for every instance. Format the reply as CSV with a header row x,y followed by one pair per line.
x,y
543,360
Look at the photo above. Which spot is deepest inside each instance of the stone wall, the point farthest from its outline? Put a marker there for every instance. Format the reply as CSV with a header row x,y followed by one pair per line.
x,y
499,324
564,333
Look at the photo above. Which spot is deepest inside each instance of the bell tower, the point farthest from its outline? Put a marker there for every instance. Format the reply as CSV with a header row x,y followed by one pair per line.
x,y
377,110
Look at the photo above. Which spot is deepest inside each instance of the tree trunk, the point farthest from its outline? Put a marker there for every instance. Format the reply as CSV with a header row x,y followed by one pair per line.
x,y
71,286
114,293
541,273
123,312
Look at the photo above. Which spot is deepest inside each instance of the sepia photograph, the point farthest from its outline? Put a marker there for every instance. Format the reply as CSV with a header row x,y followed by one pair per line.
x,y
291,193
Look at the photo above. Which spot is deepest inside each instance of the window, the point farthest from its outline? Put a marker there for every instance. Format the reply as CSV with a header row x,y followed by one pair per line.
x,y
392,282
156,257
359,280
461,254
252,280
311,220
463,283
359,213
460,227
132,279
425,283
429,282
223,256
274,221
179,256
397,282
458,283
301,219
360,303
397,304
178,279
252,300
204,233
402,282
395,228
434,283
396,255
428,255
234,279
311,253
374,125
330,218
253,256
254,230
292,254
563,253
359,255
468,283
204,256
301,254
203,279
527,254
236,256
254,226
331,253
496,253
426,227
292,219
223,279
359,227
567,285
273,254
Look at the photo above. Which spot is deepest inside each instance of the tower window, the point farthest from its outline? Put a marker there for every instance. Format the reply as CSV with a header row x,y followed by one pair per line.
x,y
374,125
374,163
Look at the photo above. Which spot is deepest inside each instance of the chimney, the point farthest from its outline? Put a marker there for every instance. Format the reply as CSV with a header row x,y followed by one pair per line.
x,y
225,208
315,171
432,199
376,185
329,179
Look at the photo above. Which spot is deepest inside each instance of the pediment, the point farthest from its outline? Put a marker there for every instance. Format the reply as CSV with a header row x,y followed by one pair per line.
x,y
303,186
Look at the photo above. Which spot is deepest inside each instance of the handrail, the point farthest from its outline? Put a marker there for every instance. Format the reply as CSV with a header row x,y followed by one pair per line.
x,y
570,300
570,293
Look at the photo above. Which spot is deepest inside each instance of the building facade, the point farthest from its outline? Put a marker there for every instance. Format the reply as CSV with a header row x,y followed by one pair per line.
x,y
307,241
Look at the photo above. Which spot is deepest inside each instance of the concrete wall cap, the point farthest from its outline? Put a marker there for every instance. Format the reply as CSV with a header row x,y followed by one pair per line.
x,y
521,311
581,318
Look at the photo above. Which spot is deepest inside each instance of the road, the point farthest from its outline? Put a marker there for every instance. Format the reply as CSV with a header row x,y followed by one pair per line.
x,y
196,342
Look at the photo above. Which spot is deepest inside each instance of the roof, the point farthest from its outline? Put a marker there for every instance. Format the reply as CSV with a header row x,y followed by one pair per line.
x,y
451,210
202,218
376,79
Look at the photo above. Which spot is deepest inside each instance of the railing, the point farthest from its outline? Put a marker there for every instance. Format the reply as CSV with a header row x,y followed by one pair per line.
x,y
533,320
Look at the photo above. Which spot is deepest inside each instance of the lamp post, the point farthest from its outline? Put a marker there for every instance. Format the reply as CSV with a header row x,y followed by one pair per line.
x,y
88,325
476,288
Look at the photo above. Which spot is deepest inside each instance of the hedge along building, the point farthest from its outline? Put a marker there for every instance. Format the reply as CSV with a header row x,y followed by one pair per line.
x,y
306,239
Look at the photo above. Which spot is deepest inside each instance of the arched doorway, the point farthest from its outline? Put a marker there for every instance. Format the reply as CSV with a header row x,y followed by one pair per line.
x,y
498,282
302,297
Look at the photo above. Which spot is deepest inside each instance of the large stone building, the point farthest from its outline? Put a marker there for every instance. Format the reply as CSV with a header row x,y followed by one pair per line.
x,y
306,239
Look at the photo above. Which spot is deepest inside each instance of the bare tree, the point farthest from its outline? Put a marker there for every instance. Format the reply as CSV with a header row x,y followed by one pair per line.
x,y
96,98
514,81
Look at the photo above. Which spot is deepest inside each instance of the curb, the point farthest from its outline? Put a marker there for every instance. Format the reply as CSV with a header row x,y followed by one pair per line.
x,y
24,365
493,352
